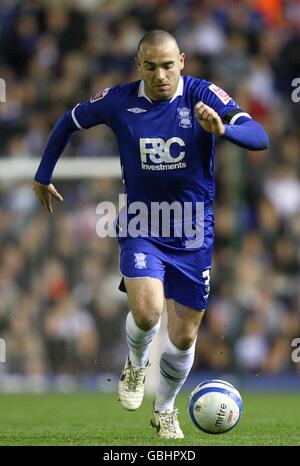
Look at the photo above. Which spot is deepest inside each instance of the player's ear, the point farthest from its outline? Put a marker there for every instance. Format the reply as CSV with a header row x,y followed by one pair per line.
x,y
138,64
181,60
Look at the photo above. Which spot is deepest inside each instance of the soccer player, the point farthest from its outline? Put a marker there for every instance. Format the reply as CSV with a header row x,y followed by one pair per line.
x,y
165,125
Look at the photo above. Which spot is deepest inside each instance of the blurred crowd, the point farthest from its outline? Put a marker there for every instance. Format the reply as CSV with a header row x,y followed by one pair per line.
x,y
60,308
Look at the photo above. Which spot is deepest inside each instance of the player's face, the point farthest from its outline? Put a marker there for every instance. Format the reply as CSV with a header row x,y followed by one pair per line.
x,y
160,68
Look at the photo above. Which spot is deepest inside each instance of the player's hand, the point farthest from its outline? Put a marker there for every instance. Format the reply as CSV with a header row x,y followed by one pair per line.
x,y
44,193
208,118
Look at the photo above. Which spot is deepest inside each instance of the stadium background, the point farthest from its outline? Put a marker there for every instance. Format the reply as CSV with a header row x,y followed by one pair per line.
x,y
61,315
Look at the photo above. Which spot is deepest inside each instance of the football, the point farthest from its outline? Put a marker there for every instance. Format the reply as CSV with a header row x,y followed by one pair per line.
x,y
215,406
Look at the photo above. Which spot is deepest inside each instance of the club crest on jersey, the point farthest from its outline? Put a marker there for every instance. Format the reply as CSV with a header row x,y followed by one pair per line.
x,y
184,115
140,260
99,94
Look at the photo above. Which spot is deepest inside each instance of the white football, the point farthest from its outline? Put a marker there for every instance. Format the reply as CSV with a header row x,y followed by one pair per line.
x,y
215,406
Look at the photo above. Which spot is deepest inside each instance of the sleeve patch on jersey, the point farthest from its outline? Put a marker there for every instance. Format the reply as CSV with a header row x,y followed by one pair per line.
x,y
99,94
223,96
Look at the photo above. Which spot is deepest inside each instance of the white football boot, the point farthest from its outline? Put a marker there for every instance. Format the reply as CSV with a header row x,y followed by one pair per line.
x,y
166,424
132,386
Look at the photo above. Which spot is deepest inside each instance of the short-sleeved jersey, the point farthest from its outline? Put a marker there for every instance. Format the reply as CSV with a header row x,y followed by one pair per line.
x,y
165,154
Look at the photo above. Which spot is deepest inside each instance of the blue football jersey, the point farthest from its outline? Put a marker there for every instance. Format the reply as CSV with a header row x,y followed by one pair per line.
x,y
165,154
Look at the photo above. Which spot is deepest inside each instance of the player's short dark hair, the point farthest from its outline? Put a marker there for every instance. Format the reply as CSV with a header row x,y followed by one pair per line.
x,y
155,37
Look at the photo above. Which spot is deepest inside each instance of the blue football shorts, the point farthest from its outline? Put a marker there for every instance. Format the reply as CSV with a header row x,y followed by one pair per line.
x,y
185,274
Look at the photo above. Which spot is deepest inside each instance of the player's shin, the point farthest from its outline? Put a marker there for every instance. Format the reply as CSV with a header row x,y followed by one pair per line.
x,y
139,341
175,365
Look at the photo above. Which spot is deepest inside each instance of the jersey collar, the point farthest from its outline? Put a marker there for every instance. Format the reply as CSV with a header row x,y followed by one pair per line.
x,y
179,90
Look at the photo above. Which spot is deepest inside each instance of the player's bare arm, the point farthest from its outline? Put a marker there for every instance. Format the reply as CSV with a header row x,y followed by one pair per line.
x,y
45,194
208,118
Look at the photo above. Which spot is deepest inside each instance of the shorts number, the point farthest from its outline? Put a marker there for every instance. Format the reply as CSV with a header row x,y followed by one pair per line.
x,y
206,274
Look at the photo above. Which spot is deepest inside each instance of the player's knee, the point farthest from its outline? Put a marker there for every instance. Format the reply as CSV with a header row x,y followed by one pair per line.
x,y
147,318
184,342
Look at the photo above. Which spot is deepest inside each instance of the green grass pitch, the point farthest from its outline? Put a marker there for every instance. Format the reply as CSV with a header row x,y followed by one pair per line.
x,y
98,419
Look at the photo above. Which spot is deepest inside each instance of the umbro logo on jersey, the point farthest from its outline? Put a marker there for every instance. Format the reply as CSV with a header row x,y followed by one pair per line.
x,y
136,110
